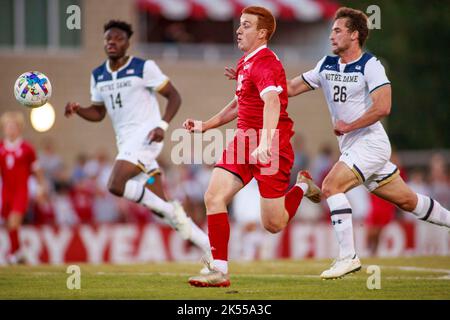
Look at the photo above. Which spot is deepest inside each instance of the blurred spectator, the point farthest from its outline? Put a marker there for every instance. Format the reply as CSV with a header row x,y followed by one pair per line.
x,y
65,214
49,160
417,182
176,33
301,160
78,172
98,171
322,164
41,207
188,183
439,180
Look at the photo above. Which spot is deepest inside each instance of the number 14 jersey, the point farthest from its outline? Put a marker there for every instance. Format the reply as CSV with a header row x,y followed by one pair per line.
x,y
129,96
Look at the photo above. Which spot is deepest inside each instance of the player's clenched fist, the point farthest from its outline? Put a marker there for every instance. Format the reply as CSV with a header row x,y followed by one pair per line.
x,y
193,125
71,108
262,153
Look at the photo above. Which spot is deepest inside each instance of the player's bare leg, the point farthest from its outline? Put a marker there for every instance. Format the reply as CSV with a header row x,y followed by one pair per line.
x,y
127,181
13,224
221,190
277,212
423,207
338,181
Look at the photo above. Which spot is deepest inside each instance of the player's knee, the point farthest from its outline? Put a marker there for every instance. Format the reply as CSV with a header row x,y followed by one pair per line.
x,y
115,188
408,203
213,201
273,226
328,188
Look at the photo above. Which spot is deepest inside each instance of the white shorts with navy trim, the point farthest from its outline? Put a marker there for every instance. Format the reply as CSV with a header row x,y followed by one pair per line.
x,y
369,159
141,153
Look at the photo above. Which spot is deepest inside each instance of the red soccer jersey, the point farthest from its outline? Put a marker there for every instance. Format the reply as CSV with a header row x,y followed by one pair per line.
x,y
16,161
258,73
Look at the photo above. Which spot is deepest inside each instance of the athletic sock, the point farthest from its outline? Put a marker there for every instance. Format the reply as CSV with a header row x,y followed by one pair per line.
x,y
341,218
428,209
293,198
219,235
137,192
14,240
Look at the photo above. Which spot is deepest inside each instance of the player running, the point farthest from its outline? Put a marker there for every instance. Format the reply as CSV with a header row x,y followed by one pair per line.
x,y
124,87
358,95
262,141
17,162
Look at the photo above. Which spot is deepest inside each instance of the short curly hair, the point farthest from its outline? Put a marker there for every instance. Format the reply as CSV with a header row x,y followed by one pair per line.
x,y
122,25
356,21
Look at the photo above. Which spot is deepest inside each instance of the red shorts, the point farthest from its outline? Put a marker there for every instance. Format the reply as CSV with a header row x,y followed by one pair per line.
x,y
273,178
15,202
382,212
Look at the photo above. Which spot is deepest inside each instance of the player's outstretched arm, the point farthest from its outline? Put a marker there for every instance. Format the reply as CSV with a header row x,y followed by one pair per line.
x,y
95,112
297,86
173,105
381,107
227,114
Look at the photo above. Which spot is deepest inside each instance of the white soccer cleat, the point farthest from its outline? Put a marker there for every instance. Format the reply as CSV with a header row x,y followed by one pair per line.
x,y
181,222
342,267
314,193
208,263
215,278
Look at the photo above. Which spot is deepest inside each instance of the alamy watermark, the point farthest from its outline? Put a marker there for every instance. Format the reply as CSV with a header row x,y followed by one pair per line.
x,y
374,17
374,280
239,145
74,280
73,21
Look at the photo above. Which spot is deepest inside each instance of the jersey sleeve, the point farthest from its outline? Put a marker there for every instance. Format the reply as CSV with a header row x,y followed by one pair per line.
x,y
264,75
96,97
375,75
154,78
312,77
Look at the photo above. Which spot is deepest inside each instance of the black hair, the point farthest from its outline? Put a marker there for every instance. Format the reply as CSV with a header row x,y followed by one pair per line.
x,y
122,25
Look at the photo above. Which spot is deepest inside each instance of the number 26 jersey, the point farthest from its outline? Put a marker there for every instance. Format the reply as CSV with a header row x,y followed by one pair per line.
x,y
347,89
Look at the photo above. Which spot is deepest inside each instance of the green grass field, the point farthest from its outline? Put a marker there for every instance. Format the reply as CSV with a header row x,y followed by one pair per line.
x,y
401,278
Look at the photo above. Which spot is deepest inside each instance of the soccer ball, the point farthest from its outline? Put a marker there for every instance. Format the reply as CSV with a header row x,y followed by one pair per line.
x,y
32,89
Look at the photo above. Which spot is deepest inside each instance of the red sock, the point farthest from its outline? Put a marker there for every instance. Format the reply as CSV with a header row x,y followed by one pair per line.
x,y
14,240
292,200
219,234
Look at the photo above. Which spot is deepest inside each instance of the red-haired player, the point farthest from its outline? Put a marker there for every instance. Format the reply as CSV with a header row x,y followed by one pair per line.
x,y
261,145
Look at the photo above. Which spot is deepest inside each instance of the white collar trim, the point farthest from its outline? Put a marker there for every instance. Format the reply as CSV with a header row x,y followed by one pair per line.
x,y
121,68
251,54
340,62
12,145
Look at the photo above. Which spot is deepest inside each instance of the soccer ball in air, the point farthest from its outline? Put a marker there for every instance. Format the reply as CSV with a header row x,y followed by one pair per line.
x,y
32,89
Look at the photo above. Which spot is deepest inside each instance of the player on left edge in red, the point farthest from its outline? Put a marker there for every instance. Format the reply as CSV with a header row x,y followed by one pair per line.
x,y
17,162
